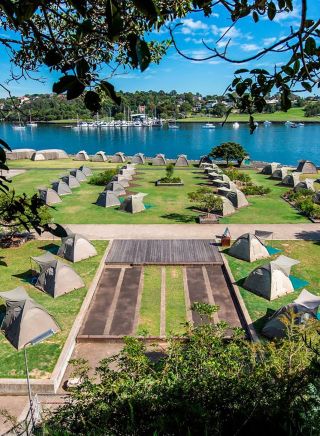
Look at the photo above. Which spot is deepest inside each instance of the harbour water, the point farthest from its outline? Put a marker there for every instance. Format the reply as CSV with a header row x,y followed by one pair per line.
x,y
275,142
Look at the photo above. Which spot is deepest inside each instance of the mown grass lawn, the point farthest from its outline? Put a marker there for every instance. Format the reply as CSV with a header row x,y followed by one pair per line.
x,y
15,271
68,163
307,252
149,317
175,301
266,209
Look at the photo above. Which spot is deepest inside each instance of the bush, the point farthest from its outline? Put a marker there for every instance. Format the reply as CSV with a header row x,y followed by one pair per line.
x,y
206,199
255,190
103,178
236,175
169,175
299,195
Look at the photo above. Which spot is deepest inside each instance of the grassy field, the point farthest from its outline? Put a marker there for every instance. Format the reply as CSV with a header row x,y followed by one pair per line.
x,y
149,319
175,301
294,114
68,164
306,252
266,209
165,205
15,271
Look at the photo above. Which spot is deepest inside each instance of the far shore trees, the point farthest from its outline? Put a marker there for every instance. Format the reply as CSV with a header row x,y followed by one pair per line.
x,y
229,151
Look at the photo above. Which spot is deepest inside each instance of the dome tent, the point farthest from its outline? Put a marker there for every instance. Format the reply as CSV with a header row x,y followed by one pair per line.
x,y
86,170
291,179
55,277
49,196
108,199
37,156
227,207
133,203
116,188
53,154
20,153
221,184
280,173
118,157
121,179
213,175
76,247
61,187
270,168
81,155
78,174
272,279
182,161
24,319
248,247
299,312
100,156
305,184
237,198
138,158
71,181
126,173
307,167
204,160
159,159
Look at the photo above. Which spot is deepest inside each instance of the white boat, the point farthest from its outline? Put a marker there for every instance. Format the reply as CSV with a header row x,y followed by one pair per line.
x,y
208,126
31,123
236,125
267,123
288,123
301,124
293,125
19,126
173,126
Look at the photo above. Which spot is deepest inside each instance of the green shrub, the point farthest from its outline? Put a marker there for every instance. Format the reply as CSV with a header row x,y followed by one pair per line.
x,y
235,175
255,190
169,175
103,178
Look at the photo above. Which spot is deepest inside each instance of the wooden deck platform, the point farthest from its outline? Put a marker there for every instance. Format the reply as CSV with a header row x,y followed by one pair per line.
x,y
164,252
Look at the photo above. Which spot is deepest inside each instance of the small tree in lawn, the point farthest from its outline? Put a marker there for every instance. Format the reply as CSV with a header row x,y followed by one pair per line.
x,y
170,170
206,199
229,151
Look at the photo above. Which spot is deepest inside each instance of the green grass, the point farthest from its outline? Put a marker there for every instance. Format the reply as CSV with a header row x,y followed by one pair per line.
x,y
175,301
15,271
58,163
307,252
266,209
294,114
149,320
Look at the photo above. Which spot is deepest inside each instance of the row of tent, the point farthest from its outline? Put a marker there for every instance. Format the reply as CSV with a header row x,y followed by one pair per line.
x,y
138,158
292,179
232,197
110,197
304,166
64,185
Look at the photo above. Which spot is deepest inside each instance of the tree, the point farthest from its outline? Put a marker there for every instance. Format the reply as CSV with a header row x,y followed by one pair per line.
x,y
206,199
229,151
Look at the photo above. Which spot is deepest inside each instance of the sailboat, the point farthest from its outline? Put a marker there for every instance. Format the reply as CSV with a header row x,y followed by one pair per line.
x,y
31,123
173,125
19,126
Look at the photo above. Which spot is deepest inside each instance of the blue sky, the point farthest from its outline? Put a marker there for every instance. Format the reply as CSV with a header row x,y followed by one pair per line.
x,y
175,72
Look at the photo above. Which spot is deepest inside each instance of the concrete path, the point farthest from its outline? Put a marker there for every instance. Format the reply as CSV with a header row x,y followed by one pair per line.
x,y
283,232
11,173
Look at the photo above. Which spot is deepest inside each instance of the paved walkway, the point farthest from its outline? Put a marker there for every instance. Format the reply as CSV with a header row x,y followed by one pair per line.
x,y
283,232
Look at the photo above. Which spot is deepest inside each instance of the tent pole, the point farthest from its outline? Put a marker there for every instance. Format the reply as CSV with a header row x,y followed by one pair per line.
x,y
29,386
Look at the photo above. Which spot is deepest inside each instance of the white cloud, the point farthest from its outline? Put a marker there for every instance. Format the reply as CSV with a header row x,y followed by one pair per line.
x,y
250,47
215,62
269,41
194,24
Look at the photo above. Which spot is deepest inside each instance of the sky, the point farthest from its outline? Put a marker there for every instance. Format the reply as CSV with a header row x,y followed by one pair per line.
x,y
175,72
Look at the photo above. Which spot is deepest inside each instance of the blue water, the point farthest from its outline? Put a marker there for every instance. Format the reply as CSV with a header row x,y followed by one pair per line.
x,y
277,142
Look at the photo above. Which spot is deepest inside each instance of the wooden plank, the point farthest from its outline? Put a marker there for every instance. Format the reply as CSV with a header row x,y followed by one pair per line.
x,y
164,252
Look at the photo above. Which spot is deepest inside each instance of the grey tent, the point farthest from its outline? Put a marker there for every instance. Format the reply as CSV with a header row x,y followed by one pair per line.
x,y
71,181
78,174
20,153
55,277
121,179
237,198
129,167
307,167
269,281
37,156
221,184
138,158
49,196
118,157
76,247
270,168
221,177
182,161
226,208
100,156
305,184
116,188
280,173
213,168
54,153
263,234
126,173
308,300
248,247
86,170
291,179
61,187
133,203
223,191
24,319
159,159
82,155
108,199
213,175
204,159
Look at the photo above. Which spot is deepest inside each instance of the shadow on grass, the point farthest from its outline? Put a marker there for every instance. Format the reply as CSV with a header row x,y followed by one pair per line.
x,y
26,276
2,262
180,218
52,248
260,322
